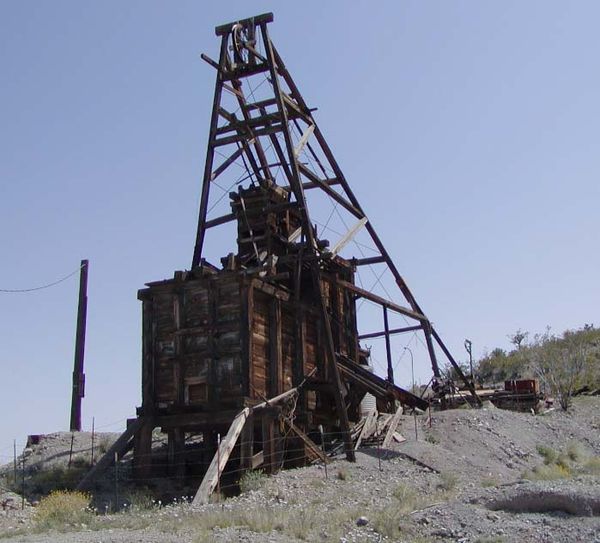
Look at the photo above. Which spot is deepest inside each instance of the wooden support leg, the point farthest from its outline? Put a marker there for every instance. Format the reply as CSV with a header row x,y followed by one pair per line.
x,y
142,452
176,454
268,435
247,444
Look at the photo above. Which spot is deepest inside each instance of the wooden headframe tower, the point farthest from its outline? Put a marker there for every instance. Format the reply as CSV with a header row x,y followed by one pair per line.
x,y
282,124
224,346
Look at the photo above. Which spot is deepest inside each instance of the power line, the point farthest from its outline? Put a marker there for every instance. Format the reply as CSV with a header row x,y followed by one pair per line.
x,y
20,290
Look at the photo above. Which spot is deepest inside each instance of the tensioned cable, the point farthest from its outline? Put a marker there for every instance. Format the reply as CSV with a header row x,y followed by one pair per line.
x,y
18,290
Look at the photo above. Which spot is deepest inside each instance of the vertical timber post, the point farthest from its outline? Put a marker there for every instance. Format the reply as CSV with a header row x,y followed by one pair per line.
x,y
388,348
78,376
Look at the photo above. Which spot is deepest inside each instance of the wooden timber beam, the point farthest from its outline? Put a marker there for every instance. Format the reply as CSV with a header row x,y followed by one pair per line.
x,y
391,332
296,184
313,448
381,301
367,261
377,386
223,30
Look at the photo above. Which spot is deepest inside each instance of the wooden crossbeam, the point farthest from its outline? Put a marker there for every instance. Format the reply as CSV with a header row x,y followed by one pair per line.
x,y
381,301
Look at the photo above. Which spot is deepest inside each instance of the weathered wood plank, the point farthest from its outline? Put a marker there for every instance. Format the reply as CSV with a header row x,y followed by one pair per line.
x,y
209,482
392,427
368,427
313,448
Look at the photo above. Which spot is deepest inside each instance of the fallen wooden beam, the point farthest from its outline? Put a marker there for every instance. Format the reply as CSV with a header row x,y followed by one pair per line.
x,y
380,388
118,448
312,446
368,427
209,482
219,461
392,428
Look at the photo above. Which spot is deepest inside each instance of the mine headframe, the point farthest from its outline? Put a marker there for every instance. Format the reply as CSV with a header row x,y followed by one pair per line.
x,y
262,129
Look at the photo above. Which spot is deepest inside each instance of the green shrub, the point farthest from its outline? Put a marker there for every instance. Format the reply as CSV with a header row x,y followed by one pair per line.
x,y
61,509
252,480
548,454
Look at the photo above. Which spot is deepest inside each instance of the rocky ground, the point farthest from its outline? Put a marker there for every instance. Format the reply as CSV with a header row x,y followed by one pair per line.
x,y
468,478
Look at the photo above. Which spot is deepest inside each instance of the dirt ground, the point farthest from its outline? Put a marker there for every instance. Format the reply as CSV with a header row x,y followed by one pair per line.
x,y
462,479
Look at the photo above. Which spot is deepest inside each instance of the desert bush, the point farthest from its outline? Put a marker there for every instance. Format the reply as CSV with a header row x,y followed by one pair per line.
x,y
548,472
389,523
317,483
576,451
252,480
547,453
447,481
61,509
104,444
592,466
562,465
430,438
57,478
489,482
342,474
407,496
80,462
140,499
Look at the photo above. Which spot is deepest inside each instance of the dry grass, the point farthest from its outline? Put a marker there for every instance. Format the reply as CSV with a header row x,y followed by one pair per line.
x,y
393,520
489,482
304,524
548,472
448,481
342,474
592,466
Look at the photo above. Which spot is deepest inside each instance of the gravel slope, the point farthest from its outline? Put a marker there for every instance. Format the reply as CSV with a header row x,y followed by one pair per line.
x,y
461,481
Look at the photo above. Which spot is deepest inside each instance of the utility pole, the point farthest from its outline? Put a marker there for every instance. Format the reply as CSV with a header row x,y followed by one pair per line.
x,y
469,349
78,391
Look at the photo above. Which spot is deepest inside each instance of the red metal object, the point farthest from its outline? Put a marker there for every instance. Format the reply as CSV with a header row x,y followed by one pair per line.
x,y
522,386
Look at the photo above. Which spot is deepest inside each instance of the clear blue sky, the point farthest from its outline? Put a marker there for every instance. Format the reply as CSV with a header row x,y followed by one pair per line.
x,y
468,130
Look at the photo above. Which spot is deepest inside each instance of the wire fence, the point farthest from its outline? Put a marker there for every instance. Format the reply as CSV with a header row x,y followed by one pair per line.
x,y
179,471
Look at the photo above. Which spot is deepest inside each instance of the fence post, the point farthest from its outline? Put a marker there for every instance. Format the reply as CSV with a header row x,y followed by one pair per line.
x,y
323,447
93,423
116,482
